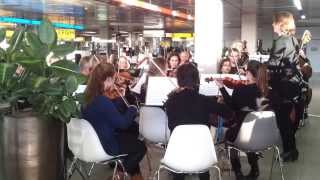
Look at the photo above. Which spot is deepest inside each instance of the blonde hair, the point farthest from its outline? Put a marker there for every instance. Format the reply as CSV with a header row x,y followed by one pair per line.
x,y
286,22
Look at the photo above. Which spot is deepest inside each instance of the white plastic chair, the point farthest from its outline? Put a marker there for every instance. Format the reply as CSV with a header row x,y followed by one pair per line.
x,y
190,150
85,145
153,126
259,132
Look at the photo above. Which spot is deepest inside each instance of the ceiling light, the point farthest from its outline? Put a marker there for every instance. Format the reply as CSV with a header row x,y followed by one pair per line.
x,y
189,17
303,16
174,13
89,32
298,5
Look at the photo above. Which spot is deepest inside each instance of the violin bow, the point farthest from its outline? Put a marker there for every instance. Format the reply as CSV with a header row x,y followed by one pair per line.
x,y
237,66
162,72
118,91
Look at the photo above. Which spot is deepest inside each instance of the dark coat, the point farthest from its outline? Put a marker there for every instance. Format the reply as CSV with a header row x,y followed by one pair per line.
x,y
190,107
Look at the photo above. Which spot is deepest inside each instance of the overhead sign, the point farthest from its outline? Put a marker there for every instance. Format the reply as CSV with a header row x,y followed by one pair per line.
x,y
182,35
66,34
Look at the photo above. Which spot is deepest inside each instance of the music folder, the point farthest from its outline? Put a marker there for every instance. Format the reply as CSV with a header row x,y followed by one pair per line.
x,y
158,89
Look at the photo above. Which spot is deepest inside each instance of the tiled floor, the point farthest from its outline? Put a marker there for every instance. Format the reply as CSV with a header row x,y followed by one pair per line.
x,y
306,168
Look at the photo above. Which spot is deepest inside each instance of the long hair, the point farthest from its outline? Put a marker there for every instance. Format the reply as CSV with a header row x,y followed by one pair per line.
x,y
286,21
259,71
222,63
170,56
188,76
95,85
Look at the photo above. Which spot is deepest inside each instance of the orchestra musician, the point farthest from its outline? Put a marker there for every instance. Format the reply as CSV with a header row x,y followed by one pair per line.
x,y
244,100
184,57
173,62
224,66
123,63
234,55
107,120
87,64
186,106
284,80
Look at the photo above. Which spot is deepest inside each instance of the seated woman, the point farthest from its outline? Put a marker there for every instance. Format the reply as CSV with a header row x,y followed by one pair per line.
x,y
173,62
243,100
87,64
225,66
186,106
106,120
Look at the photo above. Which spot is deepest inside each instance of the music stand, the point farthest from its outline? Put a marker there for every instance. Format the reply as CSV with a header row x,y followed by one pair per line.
x,y
158,89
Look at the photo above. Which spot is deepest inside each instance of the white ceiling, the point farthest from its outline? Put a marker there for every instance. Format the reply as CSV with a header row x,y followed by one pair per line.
x,y
101,14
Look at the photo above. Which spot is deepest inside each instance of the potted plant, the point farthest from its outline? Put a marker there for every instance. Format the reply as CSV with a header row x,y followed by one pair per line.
x,y
32,142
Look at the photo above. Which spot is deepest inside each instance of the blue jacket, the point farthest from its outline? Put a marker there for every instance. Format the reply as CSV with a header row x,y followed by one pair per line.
x,y
106,119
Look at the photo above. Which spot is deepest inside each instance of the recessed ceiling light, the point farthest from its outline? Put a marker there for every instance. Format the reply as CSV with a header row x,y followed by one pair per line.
x,y
303,16
298,5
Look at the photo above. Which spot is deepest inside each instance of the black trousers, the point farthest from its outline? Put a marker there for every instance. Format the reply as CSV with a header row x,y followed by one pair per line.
x,y
136,149
283,93
286,127
202,176
235,160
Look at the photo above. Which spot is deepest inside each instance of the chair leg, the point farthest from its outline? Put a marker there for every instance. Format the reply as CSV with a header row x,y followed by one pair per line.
x,y
115,170
149,161
71,168
91,169
125,174
272,163
157,173
229,157
80,169
280,162
219,172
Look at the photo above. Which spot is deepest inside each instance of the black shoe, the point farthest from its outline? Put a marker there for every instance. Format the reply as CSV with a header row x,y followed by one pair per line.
x,y
290,156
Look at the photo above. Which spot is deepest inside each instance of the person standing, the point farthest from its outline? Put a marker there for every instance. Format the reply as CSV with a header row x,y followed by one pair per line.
x,y
284,80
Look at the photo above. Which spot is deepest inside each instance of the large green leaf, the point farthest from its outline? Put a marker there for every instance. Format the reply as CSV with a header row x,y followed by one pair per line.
x,y
15,40
71,84
39,82
33,41
2,34
34,47
47,33
53,91
64,68
2,54
63,50
6,71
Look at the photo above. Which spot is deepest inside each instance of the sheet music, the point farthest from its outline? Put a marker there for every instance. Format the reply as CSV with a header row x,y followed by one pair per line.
x,y
80,89
211,89
158,89
260,58
141,81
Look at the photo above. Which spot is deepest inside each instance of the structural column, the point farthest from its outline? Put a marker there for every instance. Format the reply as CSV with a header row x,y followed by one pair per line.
x,y
249,24
208,34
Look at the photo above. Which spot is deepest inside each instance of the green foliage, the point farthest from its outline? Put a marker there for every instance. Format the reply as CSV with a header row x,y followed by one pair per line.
x,y
2,34
48,88
47,33
63,50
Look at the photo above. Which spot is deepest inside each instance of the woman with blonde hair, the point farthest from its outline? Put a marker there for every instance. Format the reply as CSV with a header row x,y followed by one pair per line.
x,y
285,79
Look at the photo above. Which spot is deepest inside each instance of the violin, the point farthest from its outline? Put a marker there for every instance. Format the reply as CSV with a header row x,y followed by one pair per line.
x,y
228,82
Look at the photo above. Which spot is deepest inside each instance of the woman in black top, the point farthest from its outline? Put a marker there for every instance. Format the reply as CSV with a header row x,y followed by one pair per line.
x,y
285,79
186,106
243,100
